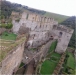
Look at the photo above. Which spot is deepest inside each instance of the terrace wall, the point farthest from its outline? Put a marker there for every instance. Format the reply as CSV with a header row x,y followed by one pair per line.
x,y
12,61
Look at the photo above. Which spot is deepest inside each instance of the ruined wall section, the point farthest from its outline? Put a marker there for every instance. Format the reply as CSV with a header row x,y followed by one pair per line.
x,y
64,34
15,15
36,54
38,25
16,26
11,63
35,22
37,39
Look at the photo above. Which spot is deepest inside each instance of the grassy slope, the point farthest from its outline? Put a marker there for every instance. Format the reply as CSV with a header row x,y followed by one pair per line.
x,y
48,67
10,36
53,46
71,61
57,17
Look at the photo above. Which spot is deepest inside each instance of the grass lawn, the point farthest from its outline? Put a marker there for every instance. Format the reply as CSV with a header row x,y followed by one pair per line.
x,y
69,64
56,55
53,46
48,67
71,61
8,36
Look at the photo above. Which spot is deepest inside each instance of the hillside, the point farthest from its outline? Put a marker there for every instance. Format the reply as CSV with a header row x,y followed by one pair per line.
x,y
71,22
58,17
7,7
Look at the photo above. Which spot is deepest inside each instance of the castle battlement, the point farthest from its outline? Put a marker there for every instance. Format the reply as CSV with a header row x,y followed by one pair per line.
x,y
63,28
36,17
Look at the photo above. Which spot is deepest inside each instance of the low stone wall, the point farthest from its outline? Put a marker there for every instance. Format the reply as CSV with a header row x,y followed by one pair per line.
x,y
37,54
11,63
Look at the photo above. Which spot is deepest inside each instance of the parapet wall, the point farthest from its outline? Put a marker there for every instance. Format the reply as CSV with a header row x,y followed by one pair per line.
x,y
12,61
63,28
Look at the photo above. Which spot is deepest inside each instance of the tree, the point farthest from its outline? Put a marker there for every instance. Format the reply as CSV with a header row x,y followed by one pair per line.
x,y
9,26
2,16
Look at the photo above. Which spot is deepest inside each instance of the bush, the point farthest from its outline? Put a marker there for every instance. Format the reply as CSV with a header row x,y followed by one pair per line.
x,y
9,26
6,34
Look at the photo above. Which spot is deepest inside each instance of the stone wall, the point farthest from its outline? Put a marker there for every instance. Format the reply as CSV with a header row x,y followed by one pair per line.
x,y
35,22
15,15
36,38
38,25
16,26
12,61
64,34
37,54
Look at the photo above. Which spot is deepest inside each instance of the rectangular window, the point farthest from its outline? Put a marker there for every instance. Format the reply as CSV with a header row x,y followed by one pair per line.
x,y
27,16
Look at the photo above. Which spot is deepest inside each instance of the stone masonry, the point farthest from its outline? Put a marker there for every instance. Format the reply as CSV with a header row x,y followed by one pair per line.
x,y
12,61
42,29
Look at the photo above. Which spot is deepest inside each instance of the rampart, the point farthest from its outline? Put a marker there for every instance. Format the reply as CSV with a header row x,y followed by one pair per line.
x,y
11,62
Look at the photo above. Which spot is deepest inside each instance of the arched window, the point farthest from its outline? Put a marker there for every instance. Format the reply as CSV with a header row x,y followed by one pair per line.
x,y
27,16
40,26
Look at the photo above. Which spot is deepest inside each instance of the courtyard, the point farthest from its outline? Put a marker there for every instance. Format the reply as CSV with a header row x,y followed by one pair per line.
x,y
51,61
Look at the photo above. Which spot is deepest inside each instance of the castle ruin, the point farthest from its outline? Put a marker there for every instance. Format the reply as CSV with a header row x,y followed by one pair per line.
x,y
42,29
42,32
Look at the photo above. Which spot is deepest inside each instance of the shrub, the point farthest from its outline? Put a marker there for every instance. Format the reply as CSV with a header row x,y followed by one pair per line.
x,y
9,26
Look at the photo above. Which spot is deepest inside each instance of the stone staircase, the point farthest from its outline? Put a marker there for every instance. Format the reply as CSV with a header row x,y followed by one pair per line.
x,y
59,65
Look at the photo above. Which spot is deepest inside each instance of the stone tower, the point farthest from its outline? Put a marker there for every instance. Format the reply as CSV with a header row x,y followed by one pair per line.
x,y
64,34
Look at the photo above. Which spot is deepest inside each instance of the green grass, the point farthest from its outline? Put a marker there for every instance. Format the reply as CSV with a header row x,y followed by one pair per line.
x,y
33,49
8,36
22,64
53,46
48,67
55,55
71,61
69,64
57,17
